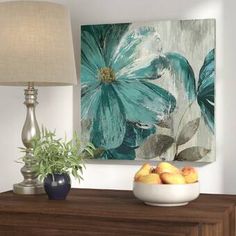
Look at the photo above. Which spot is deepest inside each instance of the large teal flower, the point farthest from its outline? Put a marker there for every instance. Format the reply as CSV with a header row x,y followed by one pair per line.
x,y
206,90
181,70
118,97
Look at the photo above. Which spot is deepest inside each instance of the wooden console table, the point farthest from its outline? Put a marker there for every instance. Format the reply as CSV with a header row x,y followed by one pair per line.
x,y
108,212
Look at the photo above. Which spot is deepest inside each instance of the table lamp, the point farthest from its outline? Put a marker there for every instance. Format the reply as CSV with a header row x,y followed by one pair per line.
x,y
36,49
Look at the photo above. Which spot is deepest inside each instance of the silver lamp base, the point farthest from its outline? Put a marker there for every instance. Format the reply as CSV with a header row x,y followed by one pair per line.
x,y
30,184
21,188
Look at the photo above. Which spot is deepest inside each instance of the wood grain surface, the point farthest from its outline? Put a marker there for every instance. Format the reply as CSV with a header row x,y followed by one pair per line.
x,y
113,212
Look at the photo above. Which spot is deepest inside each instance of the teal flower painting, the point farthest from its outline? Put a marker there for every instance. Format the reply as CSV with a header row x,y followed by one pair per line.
x,y
136,94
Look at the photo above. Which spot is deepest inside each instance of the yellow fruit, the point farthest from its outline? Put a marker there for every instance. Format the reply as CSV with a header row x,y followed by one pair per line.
x,y
190,174
144,170
166,167
172,178
150,179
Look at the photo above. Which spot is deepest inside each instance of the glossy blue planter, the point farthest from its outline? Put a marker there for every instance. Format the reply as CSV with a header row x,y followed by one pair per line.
x,y
58,187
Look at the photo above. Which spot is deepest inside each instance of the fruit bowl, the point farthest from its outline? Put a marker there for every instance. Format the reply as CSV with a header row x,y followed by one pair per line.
x,y
166,194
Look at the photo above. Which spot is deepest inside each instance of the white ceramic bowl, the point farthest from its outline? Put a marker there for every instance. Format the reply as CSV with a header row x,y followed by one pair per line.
x,y
166,194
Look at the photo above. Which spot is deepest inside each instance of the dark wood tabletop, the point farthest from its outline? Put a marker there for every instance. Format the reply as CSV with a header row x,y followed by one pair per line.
x,y
114,212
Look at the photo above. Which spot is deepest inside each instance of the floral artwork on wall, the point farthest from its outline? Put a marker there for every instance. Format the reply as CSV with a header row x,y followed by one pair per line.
x,y
147,90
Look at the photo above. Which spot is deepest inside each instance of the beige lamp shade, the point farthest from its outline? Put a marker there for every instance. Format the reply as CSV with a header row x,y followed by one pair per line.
x,y
36,44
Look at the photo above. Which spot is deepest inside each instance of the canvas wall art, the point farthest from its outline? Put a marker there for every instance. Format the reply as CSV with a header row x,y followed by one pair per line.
x,y
147,90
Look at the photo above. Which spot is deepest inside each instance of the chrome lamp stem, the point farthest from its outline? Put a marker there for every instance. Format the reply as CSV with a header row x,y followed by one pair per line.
x,y
30,184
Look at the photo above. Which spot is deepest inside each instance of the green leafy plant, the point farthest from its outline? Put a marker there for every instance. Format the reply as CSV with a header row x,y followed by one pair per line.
x,y
51,155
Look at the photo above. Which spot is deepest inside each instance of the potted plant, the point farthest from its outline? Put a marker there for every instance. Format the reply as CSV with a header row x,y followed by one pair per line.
x,y
55,159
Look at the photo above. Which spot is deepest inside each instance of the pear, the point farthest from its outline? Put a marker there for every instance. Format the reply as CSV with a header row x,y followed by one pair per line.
x,y
144,170
190,174
150,179
166,167
172,178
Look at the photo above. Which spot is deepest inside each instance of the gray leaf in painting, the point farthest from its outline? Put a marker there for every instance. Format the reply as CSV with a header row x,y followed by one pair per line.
x,y
166,123
188,131
192,154
156,145
98,152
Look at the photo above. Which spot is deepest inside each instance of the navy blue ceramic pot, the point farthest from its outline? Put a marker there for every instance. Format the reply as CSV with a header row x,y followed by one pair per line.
x,y
57,186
